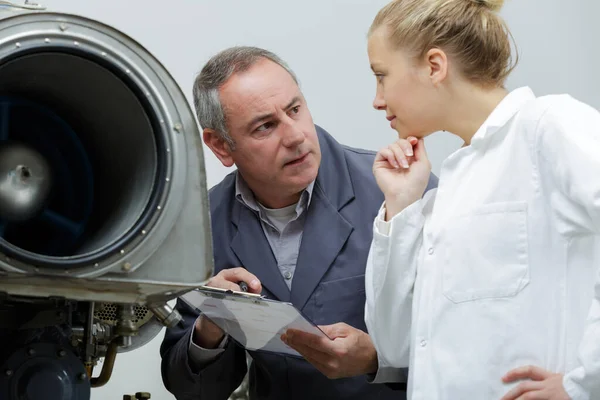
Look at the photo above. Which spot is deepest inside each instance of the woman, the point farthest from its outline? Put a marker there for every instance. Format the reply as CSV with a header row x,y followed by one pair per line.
x,y
491,293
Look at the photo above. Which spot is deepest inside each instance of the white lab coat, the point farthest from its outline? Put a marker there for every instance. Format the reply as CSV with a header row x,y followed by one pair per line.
x,y
498,267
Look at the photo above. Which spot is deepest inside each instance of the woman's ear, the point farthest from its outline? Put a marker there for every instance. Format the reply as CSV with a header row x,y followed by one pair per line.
x,y
437,65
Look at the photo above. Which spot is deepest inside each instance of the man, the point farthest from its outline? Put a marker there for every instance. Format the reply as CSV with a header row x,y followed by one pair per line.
x,y
295,223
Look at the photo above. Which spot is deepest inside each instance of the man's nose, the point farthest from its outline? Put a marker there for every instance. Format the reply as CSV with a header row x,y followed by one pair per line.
x,y
293,136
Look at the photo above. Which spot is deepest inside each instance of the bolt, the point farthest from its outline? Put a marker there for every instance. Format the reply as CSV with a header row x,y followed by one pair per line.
x,y
8,372
127,266
31,352
177,127
62,353
142,395
82,376
63,26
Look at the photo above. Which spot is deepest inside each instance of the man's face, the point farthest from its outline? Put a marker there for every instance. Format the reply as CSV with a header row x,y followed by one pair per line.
x,y
276,146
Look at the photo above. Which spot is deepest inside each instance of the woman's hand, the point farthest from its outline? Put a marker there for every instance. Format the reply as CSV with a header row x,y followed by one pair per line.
x,y
402,172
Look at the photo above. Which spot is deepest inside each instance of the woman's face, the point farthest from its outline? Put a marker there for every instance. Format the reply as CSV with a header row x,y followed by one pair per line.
x,y
405,88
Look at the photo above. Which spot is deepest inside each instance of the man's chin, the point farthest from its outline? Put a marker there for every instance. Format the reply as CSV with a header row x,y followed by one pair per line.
x,y
301,181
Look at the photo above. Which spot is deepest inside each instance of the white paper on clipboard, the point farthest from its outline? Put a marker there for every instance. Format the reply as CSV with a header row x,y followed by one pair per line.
x,y
254,322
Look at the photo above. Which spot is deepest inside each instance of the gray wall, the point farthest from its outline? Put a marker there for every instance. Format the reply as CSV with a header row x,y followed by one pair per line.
x,y
324,41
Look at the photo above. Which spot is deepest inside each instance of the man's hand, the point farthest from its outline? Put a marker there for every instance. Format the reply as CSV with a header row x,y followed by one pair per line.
x,y
540,385
349,353
208,335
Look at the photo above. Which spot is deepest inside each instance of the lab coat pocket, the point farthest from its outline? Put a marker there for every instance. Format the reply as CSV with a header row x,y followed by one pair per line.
x,y
487,253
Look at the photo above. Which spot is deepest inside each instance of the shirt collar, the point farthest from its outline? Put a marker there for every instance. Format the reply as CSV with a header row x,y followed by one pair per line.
x,y
504,111
244,194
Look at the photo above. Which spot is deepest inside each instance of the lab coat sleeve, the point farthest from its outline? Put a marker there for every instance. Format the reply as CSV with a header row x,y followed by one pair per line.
x,y
389,281
568,143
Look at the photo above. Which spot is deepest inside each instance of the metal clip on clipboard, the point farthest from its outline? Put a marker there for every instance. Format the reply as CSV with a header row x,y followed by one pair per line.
x,y
219,293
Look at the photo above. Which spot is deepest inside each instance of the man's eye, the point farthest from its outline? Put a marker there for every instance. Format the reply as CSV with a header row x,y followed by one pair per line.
x,y
296,109
264,127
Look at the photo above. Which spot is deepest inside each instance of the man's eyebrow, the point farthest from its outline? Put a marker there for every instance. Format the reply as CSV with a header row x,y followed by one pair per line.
x,y
268,116
295,100
260,118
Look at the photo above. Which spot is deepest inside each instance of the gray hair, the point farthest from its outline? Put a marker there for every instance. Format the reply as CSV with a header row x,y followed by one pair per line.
x,y
215,73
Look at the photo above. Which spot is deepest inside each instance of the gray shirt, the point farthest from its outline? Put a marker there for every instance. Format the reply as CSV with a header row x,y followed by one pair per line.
x,y
283,228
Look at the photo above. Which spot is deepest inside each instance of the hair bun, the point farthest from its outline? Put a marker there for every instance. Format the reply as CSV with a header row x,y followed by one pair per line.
x,y
493,5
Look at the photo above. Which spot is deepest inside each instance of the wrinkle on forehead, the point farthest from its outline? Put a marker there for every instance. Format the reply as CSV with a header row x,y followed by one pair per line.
x,y
264,88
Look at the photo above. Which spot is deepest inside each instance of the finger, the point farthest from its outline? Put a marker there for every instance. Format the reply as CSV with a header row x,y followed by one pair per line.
x,y
321,344
412,140
310,352
399,154
406,147
522,388
527,372
420,151
537,395
386,155
219,282
240,274
336,330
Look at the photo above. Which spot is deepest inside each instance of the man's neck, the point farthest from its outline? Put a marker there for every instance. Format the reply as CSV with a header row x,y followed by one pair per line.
x,y
265,195
274,202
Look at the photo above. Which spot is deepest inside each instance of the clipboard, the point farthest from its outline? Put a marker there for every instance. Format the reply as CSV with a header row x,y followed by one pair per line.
x,y
253,321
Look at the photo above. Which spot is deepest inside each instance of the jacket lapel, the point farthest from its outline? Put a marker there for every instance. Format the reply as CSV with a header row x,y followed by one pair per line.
x,y
252,248
325,233
325,229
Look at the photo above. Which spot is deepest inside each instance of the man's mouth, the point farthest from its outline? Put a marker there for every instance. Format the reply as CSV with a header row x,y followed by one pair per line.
x,y
298,160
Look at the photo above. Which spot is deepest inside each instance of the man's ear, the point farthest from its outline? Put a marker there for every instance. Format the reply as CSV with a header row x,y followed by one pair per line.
x,y
219,147
437,64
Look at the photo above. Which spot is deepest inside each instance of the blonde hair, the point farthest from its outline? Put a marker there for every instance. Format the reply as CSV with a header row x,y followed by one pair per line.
x,y
470,31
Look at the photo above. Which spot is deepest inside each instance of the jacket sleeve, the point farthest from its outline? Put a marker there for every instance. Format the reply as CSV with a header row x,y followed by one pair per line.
x,y
216,381
568,145
389,282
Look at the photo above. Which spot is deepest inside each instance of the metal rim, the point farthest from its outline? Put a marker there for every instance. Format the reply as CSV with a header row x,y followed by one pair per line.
x,y
151,206
144,76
